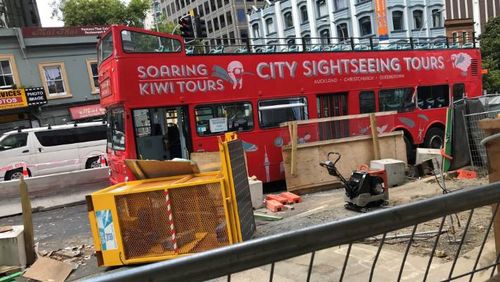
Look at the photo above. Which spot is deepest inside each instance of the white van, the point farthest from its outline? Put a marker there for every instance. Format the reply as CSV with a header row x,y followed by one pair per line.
x,y
52,149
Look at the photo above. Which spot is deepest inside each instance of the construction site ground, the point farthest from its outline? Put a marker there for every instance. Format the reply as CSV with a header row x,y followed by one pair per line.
x,y
68,227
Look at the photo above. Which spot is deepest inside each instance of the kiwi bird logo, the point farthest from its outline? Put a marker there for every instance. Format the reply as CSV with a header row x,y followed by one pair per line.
x,y
233,74
461,61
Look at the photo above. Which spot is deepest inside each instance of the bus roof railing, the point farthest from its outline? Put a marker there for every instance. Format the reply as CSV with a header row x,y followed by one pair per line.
x,y
322,44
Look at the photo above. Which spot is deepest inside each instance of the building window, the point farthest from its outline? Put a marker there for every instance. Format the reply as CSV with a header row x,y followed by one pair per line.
x,y
270,26
325,36
306,39
93,75
303,14
210,27
418,16
219,3
397,20
342,32
255,30
200,11
464,36
321,7
54,80
8,72
207,8
288,19
229,18
290,42
340,4
241,15
455,36
365,26
222,21
216,24
436,18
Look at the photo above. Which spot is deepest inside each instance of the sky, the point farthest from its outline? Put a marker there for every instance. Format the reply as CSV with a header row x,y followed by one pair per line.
x,y
45,12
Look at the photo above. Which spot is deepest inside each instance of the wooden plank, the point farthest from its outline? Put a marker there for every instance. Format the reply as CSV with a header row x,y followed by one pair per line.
x,y
376,146
343,140
336,118
293,137
29,241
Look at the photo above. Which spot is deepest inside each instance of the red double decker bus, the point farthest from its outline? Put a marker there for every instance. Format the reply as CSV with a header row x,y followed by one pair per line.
x,y
163,103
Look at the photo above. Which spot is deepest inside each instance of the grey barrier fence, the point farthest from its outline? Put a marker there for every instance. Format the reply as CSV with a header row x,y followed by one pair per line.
x,y
477,151
392,244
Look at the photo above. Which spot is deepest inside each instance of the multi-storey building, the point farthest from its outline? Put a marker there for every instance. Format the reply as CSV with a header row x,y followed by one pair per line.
x,y
58,66
224,18
18,13
337,20
463,17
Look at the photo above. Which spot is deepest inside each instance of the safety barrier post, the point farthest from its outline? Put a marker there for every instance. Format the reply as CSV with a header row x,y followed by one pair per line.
x,y
29,241
376,145
492,144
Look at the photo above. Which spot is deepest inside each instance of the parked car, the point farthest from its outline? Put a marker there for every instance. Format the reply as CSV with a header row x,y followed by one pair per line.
x,y
51,149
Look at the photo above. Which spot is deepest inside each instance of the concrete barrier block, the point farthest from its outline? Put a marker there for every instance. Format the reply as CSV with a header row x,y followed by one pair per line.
x,y
256,193
12,247
424,154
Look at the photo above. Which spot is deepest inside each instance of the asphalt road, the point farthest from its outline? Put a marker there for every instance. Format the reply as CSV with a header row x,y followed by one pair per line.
x,y
60,228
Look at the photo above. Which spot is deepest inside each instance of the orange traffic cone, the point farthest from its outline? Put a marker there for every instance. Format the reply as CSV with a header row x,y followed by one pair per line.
x,y
25,171
103,161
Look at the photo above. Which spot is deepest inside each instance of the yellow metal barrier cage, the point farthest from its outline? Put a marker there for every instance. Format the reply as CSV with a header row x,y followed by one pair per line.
x,y
164,218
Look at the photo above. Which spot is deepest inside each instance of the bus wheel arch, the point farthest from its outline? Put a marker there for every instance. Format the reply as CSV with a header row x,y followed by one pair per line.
x,y
411,149
434,137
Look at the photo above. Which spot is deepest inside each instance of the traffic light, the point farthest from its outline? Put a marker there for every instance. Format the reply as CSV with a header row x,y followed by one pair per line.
x,y
201,27
186,28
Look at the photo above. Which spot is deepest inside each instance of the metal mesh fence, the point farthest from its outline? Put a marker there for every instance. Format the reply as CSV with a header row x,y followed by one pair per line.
x,y
479,159
177,221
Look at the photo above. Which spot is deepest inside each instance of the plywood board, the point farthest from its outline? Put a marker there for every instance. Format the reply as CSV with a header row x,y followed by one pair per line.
x,y
45,269
354,150
206,161
145,169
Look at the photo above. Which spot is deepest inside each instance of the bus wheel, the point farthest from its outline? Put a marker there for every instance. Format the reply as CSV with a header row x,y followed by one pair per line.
x,y
92,163
434,138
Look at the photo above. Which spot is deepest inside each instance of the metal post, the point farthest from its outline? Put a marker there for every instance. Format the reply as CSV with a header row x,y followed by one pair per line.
x,y
371,43
412,44
352,43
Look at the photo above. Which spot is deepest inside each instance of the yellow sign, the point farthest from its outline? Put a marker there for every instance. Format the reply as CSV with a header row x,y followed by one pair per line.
x,y
12,99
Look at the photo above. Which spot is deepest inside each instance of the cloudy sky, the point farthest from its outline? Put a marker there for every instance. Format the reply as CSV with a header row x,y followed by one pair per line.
x,y
45,11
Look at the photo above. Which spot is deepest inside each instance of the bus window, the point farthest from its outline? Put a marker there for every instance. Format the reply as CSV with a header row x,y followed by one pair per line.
x,y
367,102
105,48
431,97
137,42
219,118
398,99
116,130
458,91
274,112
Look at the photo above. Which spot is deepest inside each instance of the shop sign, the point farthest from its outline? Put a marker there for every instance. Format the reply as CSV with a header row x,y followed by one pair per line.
x,y
12,99
87,111
36,96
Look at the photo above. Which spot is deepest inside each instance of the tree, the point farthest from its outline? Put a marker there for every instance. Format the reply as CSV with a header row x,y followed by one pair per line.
x,y
167,26
490,51
102,12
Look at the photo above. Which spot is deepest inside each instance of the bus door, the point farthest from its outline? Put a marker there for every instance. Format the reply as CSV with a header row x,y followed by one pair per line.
x,y
161,133
332,105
